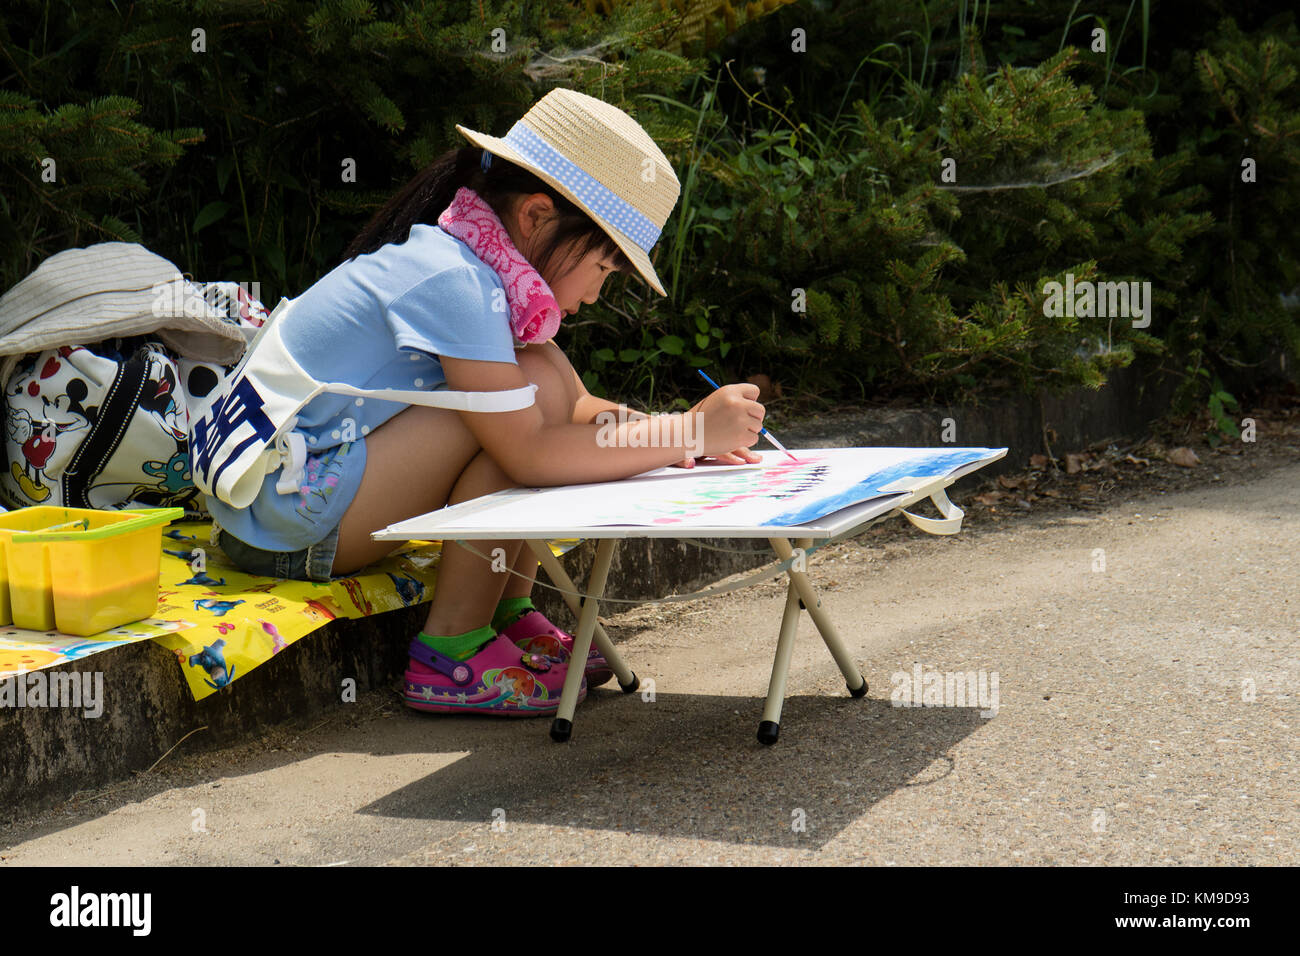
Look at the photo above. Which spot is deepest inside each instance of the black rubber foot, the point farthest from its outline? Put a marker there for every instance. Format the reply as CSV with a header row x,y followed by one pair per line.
x,y
630,688
860,692
802,606
561,729
768,731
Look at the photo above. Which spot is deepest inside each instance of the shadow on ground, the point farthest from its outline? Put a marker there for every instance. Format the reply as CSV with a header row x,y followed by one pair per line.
x,y
683,765
686,766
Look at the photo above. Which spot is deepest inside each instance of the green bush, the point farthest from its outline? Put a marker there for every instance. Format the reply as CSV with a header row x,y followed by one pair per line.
x,y
838,258
944,299
228,151
817,239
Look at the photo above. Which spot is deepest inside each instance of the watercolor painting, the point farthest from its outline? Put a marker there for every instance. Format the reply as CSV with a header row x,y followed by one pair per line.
x,y
780,493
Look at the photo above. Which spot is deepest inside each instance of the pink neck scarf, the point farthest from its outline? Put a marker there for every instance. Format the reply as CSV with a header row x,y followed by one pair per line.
x,y
534,313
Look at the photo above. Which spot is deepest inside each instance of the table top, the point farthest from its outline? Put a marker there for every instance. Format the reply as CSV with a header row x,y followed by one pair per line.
x,y
750,502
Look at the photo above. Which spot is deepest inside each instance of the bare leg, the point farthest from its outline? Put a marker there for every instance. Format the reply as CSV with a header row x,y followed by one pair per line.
x,y
517,586
432,443
424,458
468,589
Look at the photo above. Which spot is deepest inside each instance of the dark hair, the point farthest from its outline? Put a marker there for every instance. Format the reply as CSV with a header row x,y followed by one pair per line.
x,y
432,189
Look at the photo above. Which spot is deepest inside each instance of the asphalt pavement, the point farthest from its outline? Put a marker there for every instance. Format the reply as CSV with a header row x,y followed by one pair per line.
x,y
1144,657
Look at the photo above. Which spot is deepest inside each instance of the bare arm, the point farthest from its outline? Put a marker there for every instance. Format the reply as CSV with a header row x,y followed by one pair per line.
x,y
587,407
536,453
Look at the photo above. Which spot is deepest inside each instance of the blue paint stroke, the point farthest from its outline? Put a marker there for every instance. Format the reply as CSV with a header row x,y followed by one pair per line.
x,y
932,465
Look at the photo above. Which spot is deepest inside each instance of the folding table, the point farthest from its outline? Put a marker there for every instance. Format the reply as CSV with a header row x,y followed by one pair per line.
x,y
472,520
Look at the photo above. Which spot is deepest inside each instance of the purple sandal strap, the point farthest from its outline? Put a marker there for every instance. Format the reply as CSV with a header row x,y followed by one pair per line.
x,y
459,671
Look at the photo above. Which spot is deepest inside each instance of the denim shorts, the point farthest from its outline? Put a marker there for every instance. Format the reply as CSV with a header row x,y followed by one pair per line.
x,y
313,563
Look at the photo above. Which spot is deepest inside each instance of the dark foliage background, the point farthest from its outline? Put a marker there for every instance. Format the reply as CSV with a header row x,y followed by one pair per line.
x,y
815,242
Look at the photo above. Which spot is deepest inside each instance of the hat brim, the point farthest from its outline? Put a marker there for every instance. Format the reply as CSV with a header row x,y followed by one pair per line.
x,y
635,254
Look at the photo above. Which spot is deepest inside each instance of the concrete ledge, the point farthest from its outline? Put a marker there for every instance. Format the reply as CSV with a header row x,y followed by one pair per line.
x,y
50,754
1134,398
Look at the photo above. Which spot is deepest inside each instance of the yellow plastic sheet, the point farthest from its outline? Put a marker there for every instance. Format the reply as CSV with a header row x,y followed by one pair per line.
x,y
221,623
23,650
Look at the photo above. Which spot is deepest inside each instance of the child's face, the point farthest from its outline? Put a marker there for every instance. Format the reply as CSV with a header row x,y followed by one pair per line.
x,y
584,282
530,227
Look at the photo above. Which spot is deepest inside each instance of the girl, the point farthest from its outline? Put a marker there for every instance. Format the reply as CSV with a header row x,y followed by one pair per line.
x,y
460,281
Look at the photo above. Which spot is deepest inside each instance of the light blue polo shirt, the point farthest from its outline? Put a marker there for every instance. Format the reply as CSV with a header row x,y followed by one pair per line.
x,y
378,321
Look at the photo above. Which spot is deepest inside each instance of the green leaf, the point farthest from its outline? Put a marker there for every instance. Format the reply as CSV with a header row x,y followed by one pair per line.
x,y
225,166
701,340
629,355
806,165
210,214
702,324
603,355
671,344
723,349
385,113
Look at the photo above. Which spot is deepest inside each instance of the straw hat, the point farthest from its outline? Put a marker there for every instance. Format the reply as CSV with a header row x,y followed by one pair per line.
x,y
600,158
107,290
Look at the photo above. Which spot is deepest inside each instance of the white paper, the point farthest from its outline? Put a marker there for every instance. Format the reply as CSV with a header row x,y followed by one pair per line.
x,y
778,493
672,471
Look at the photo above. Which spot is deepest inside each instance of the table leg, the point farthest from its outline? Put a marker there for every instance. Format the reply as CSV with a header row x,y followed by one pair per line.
x,y
857,684
562,725
627,680
770,725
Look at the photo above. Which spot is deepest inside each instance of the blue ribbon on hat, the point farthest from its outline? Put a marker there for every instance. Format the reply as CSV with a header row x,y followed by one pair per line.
x,y
598,197
486,160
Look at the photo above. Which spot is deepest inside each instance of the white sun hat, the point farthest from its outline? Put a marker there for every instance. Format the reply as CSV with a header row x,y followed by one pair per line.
x,y
110,290
599,157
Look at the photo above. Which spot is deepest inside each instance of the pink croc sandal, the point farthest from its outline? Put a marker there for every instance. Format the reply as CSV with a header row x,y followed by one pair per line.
x,y
534,633
500,680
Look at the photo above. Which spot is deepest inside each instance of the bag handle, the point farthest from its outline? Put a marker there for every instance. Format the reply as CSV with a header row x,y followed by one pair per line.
x,y
230,447
509,400
950,523
134,519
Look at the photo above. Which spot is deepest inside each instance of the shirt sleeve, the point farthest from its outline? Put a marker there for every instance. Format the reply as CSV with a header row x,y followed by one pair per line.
x,y
452,313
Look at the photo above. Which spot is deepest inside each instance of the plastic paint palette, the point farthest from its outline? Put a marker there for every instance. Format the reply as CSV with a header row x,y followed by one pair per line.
x,y
80,570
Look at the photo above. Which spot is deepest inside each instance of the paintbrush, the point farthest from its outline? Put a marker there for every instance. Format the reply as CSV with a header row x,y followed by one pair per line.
x,y
82,523
762,431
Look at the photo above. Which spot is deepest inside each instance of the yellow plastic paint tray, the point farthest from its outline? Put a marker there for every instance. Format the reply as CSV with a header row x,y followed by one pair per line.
x,y
80,570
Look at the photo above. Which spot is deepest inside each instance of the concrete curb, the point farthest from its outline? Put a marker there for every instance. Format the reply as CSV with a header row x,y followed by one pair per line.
x,y
49,754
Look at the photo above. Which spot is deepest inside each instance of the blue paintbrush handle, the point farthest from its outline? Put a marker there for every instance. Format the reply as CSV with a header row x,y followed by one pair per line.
x,y
761,431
